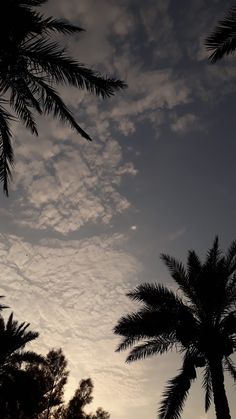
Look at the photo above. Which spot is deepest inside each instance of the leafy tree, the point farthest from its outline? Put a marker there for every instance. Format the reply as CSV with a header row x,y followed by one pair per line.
x,y
82,397
32,64
200,325
222,40
100,414
51,377
75,407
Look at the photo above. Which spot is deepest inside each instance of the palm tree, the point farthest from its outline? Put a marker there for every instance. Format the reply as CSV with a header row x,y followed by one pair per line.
x,y
19,393
222,40
13,338
200,325
31,66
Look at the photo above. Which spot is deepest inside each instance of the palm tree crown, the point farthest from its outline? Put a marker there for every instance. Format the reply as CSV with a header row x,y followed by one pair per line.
x,y
222,40
200,324
31,65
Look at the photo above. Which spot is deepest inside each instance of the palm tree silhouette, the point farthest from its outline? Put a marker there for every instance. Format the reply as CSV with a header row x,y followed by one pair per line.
x,y
222,40
17,388
31,65
200,324
13,337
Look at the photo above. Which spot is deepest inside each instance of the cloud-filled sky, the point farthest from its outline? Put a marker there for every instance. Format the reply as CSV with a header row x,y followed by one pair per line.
x,y
85,222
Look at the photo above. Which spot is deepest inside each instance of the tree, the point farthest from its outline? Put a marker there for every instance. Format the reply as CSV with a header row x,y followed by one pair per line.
x,y
100,414
51,377
18,390
32,64
200,325
82,397
222,40
75,407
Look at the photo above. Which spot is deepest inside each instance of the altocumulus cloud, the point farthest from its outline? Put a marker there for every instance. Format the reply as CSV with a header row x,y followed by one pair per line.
x,y
73,292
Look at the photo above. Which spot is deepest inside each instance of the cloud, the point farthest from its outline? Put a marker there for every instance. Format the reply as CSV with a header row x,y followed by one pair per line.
x,y
184,123
73,293
66,182
177,234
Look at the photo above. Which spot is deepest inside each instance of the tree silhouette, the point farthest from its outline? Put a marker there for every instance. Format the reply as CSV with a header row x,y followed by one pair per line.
x,y
75,407
222,40
201,325
51,377
18,390
32,64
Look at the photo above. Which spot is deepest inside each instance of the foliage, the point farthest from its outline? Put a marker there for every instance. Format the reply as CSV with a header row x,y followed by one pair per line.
x,y
82,397
32,64
222,40
19,390
200,325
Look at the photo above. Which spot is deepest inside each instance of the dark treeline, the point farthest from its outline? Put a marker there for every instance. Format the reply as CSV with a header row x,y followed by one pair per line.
x,y
32,386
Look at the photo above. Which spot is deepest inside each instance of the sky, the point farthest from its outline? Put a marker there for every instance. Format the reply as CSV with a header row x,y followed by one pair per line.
x,y
86,222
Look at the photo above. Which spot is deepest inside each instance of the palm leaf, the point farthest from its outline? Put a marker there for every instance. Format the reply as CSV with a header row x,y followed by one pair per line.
x,y
179,274
207,385
155,295
6,152
52,103
146,324
50,58
151,347
176,392
19,105
59,25
222,41
31,3
213,254
230,367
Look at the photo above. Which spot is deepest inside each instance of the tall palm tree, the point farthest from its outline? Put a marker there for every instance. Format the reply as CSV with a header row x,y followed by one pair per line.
x,y
200,325
32,64
222,40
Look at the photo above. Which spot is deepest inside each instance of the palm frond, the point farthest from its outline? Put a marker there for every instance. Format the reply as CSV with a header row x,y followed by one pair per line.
x,y
214,253
60,25
126,343
152,347
222,40
19,105
145,324
194,265
154,295
176,392
6,152
230,367
52,103
51,58
207,385
30,3
179,274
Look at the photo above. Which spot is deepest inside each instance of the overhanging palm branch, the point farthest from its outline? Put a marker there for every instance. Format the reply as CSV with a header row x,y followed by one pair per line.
x,y
222,40
152,347
32,65
230,367
207,385
6,151
176,392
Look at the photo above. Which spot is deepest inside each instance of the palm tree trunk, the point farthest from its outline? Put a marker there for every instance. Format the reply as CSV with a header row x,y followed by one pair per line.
x,y
218,387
